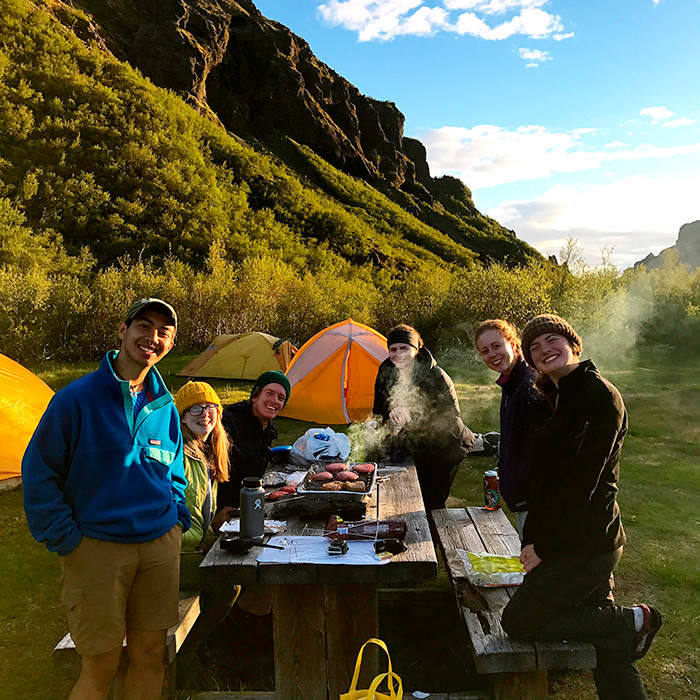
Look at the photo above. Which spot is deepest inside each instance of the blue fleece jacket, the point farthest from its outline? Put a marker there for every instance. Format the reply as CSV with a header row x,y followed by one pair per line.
x,y
93,468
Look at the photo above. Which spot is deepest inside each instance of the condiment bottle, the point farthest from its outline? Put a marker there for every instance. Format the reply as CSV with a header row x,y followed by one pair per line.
x,y
492,494
252,511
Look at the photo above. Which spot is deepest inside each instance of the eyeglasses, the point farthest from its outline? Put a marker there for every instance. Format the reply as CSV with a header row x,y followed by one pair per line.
x,y
198,409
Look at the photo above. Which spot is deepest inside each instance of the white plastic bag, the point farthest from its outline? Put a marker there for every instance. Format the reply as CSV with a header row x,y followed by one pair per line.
x,y
320,445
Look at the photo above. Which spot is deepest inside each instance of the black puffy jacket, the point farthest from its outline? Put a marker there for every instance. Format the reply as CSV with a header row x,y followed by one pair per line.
x,y
249,449
436,425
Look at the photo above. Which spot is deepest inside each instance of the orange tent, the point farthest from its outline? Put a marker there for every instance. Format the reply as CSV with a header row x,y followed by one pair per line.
x,y
23,400
332,376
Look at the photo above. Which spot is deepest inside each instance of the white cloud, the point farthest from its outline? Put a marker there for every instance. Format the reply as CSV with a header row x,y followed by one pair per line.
x,y
681,121
492,6
488,155
637,215
657,114
534,57
386,19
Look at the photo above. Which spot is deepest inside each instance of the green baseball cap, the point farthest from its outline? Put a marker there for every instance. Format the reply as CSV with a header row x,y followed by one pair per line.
x,y
140,306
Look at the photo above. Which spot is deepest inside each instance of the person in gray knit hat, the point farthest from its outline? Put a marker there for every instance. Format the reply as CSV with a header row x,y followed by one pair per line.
x,y
549,323
573,535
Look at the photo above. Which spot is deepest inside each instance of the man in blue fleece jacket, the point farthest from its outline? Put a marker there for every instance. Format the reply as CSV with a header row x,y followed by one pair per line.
x,y
104,487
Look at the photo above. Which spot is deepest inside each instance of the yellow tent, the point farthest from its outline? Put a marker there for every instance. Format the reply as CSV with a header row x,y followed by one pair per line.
x,y
333,374
241,356
23,400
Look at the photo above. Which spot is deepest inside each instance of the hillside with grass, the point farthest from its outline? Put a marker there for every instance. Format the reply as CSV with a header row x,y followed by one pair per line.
x,y
113,188
263,82
94,156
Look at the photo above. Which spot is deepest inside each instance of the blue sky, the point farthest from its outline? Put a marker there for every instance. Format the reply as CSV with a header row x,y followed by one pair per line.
x,y
565,118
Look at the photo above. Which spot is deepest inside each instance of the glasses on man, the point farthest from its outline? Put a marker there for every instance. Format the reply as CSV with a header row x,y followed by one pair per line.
x,y
198,409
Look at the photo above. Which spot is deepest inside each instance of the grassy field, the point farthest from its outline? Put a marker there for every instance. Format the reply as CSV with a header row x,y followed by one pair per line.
x,y
659,496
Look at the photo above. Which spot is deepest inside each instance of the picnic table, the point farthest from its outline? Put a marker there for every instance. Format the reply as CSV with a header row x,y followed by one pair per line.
x,y
323,613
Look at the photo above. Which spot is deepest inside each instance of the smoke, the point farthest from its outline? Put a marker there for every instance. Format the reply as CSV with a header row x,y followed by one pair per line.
x,y
408,397
611,334
369,440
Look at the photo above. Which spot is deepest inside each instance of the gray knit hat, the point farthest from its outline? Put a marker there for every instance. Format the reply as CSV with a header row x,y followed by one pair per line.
x,y
549,323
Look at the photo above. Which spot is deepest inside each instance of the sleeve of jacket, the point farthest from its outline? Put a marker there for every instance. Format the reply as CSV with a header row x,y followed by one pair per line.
x,y
45,467
444,392
179,483
381,407
447,405
242,448
194,500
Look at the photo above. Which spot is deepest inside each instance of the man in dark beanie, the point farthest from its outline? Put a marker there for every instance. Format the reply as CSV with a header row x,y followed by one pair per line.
x,y
251,430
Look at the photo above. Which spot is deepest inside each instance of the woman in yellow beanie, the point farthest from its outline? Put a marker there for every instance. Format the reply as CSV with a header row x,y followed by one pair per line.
x,y
206,466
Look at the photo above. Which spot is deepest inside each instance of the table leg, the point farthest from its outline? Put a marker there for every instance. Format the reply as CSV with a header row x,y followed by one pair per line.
x,y
529,685
300,642
318,631
352,618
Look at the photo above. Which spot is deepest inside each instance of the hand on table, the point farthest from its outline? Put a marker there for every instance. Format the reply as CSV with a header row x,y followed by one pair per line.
x,y
529,558
221,517
400,416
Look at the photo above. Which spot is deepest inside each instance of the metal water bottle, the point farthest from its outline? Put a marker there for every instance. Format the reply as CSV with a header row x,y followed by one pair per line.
x,y
252,509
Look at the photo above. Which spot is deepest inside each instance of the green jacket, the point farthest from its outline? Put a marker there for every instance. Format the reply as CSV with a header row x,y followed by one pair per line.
x,y
195,494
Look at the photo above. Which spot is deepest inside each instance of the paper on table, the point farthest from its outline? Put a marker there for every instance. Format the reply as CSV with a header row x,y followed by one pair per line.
x,y
234,526
314,550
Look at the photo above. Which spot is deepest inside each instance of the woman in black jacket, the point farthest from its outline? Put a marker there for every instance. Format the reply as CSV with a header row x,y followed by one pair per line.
x,y
419,401
498,344
573,535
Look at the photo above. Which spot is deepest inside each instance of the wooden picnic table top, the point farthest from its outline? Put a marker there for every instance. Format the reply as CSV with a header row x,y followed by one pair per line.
x,y
399,498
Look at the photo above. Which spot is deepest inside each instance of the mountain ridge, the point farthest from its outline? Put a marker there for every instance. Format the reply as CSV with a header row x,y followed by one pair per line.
x,y
263,83
686,247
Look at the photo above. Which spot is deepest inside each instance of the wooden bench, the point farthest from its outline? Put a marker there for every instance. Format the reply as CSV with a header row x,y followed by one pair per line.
x,y
67,659
518,670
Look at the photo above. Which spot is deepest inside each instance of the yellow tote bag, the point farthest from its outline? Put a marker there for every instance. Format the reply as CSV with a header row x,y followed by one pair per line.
x,y
371,693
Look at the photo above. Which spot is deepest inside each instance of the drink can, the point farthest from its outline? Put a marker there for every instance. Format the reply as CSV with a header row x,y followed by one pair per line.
x,y
492,494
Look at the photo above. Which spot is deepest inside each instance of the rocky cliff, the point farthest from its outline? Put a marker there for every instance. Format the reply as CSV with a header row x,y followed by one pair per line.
x,y
260,80
687,247
263,83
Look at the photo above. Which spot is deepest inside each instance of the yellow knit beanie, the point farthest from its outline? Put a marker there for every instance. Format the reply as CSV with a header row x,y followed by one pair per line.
x,y
193,393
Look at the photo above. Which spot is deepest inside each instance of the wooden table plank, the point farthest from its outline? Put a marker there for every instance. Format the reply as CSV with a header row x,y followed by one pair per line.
x,y
399,498
478,530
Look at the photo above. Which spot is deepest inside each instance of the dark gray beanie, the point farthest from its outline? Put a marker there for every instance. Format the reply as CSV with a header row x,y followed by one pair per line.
x,y
549,323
